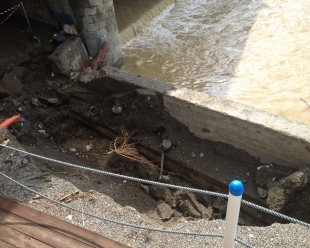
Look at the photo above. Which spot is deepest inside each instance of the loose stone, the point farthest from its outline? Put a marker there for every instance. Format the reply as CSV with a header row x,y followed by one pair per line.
x,y
117,110
262,193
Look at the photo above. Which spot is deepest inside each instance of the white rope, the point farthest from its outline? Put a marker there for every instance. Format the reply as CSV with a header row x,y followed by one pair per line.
x,y
10,9
14,9
27,18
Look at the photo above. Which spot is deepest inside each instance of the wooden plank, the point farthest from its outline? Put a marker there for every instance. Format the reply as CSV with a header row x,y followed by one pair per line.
x,y
101,53
18,239
58,225
39,232
5,244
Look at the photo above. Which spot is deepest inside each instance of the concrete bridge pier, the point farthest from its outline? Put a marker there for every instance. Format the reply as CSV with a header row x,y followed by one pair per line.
x,y
96,21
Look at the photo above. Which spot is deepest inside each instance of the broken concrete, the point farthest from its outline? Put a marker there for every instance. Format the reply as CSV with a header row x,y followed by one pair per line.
x,y
70,30
69,57
270,138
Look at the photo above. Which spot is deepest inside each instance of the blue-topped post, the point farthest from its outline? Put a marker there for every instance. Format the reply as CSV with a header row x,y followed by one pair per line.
x,y
232,214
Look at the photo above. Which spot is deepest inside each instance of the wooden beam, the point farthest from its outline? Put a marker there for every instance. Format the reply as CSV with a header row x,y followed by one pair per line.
x,y
38,232
6,245
15,238
97,60
75,232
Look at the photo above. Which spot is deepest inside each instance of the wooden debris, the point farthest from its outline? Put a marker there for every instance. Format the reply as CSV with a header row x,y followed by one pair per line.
x,y
75,195
36,197
97,60
68,195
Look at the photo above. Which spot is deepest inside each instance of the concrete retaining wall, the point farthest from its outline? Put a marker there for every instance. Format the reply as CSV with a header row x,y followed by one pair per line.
x,y
270,138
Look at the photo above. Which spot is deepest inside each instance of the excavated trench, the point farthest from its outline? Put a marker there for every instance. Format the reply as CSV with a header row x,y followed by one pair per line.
x,y
109,104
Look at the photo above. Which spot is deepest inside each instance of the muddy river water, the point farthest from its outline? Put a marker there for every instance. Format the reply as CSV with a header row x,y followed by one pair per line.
x,y
255,52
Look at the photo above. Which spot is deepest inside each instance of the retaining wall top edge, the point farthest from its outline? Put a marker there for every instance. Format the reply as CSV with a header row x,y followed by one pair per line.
x,y
242,112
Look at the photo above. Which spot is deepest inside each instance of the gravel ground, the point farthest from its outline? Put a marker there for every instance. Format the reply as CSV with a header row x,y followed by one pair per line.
x,y
25,170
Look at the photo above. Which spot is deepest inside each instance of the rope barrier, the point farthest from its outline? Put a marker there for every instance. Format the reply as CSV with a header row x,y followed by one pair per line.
x,y
14,9
290,219
10,9
123,223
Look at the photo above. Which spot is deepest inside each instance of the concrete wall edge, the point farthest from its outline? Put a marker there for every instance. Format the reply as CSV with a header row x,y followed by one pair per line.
x,y
270,138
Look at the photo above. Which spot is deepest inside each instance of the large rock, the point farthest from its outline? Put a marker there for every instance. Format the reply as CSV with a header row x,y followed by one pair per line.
x,y
70,56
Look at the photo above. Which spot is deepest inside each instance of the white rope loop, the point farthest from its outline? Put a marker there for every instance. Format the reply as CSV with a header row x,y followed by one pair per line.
x,y
13,11
10,9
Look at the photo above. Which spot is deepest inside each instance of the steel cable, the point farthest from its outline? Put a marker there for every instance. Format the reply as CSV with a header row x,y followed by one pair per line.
x,y
290,219
120,222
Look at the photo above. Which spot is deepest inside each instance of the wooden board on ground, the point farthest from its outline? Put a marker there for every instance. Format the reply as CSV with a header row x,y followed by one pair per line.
x,y
22,226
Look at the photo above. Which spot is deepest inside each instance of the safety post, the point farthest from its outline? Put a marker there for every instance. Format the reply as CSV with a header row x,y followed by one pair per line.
x,y
232,214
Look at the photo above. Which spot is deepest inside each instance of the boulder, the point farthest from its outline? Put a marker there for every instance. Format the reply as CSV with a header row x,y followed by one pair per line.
x,y
70,30
70,56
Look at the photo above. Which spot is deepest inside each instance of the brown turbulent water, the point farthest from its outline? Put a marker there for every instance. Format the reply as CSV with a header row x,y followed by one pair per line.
x,y
250,51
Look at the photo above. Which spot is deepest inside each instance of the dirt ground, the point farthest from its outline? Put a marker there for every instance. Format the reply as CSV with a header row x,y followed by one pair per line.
x,y
49,129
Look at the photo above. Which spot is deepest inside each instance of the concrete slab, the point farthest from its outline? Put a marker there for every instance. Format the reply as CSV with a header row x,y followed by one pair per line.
x,y
270,138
